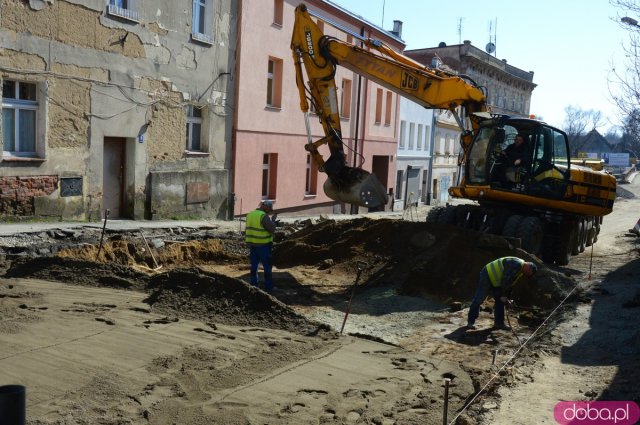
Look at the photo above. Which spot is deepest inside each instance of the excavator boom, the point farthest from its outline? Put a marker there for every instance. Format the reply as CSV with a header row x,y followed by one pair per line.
x,y
318,55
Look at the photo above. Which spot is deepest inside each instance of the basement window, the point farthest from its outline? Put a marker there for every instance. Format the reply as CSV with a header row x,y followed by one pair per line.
x,y
123,9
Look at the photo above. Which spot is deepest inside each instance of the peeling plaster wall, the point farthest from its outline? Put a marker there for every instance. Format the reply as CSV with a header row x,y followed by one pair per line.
x,y
102,76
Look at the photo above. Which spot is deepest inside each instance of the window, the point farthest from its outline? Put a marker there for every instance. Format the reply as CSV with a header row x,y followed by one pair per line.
x,y
320,24
378,106
412,134
311,177
194,128
269,173
19,118
349,39
201,26
124,9
403,131
427,136
346,99
278,12
399,178
274,83
419,139
387,114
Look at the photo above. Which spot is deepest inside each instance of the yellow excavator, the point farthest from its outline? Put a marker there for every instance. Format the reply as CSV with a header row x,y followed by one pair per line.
x,y
553,206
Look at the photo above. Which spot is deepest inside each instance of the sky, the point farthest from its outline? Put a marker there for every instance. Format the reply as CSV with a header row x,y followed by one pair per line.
x,y
571,46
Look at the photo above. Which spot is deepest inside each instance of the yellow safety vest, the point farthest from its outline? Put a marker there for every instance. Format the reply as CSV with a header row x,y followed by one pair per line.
x,y
254,232
495,270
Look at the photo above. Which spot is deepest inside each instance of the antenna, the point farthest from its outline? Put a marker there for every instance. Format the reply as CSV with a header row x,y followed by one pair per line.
x,y
460,30
491,46
382,25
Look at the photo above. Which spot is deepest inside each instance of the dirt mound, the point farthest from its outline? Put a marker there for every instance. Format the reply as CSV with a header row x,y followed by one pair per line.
x,y
187,293
421,258
222,299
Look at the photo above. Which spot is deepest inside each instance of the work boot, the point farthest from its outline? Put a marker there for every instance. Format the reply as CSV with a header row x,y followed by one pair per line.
x,y
501,327
470,326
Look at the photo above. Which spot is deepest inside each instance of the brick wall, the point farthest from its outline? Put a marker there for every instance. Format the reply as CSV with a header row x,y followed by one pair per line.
x,y
17,193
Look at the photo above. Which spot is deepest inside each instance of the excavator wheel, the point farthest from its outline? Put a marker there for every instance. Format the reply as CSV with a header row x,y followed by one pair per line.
x,y
564,245
433,214
511,226
530,232
447,216
579,231
583,235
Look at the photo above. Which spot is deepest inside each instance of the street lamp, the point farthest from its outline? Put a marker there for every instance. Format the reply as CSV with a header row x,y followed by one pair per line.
x,y
630,21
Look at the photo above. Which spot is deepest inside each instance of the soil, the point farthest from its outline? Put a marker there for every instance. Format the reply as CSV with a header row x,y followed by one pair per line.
x,y
365,324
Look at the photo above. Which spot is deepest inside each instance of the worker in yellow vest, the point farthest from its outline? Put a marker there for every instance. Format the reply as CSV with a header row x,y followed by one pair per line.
x,y
499,276
259,236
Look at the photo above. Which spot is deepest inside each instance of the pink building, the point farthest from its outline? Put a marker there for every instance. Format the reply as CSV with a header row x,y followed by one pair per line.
x,y
269,134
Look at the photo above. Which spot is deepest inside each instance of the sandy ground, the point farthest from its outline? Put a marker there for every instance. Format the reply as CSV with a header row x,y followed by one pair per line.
x,y
105,339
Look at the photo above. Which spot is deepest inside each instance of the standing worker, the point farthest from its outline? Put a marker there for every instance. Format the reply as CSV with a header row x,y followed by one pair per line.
x,y
500,276
259,236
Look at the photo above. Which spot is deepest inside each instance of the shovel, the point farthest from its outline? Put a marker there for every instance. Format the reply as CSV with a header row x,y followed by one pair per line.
x,y
360,265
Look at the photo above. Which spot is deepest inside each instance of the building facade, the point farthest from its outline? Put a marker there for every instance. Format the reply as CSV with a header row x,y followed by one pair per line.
x,y
269,135
116,105
414,154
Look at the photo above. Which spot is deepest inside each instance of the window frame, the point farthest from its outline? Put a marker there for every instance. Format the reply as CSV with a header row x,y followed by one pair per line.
x,y
123,9
388,110
192,121
311,177
274,83
345,110
199,17
278,13
16,104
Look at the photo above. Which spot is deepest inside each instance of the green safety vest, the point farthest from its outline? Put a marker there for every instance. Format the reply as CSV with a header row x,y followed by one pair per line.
x,y
495,270
254,232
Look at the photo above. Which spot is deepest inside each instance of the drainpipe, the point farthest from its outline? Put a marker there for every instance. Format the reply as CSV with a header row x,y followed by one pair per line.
x,y
354,208
432,143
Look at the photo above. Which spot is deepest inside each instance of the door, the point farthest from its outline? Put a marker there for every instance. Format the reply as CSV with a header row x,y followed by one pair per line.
x,y
413,186
113,176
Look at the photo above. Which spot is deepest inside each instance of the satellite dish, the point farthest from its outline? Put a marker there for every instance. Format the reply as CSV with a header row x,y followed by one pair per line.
x,y
490,48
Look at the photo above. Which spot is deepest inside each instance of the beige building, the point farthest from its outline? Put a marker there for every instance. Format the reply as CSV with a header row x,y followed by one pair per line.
x,y
508,90
119,105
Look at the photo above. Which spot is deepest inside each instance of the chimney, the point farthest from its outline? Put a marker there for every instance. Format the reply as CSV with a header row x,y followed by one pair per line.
x,y
397,28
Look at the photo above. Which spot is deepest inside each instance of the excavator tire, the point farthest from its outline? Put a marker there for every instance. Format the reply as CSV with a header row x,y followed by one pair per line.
x,y
433,214
447,216
583,235
579,230
564,245
511,226
531,233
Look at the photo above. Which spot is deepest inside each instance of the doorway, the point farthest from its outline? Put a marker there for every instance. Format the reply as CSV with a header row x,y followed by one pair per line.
x,y
113,176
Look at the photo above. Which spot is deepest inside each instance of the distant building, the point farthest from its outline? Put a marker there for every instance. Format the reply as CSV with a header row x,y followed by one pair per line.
x,y
591,145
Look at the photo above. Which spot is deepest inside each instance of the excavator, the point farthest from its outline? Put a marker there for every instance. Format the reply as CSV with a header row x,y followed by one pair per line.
x,y
553,206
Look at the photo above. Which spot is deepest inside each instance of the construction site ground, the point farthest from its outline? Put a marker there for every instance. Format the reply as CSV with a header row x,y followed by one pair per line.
x,y
158,325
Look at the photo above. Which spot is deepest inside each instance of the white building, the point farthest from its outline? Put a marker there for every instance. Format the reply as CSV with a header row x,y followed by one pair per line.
x,y
414,153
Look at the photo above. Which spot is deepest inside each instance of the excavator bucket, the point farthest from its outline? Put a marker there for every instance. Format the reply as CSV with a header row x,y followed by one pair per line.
x,y
358,187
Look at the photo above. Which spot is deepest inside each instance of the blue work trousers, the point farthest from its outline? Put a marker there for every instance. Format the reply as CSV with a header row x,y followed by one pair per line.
x,y
257,255
484,287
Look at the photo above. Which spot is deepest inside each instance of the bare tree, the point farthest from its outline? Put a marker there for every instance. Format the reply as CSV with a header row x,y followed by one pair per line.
x,y
624,82
578,122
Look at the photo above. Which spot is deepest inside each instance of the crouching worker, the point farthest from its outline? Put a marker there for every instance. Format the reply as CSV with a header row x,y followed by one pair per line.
x,y
499,276
259,236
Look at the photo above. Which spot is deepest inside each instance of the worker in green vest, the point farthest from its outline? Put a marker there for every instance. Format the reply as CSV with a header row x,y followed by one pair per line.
x,y
499,277
259,236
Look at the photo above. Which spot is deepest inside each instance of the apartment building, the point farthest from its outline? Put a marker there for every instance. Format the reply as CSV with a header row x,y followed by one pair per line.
x,y
269,134
118,105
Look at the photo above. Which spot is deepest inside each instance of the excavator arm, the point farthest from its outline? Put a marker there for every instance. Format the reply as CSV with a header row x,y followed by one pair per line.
x,y
319,55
